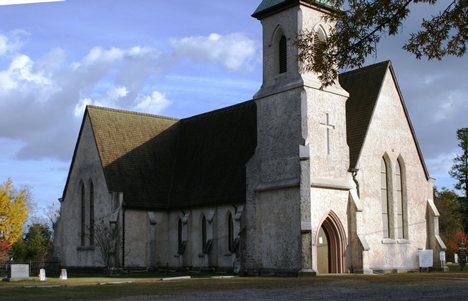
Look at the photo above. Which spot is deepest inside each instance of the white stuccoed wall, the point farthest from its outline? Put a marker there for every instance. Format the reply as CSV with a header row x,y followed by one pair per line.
x,y
290,107
87,167
292,182
390,133
139,231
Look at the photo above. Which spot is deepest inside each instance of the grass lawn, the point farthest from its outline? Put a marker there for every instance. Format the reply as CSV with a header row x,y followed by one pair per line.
x,y
455,268
100,288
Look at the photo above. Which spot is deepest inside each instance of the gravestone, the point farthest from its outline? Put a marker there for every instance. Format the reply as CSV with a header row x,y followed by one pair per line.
x,y
42,275
19,271
443,259
426,259
63,274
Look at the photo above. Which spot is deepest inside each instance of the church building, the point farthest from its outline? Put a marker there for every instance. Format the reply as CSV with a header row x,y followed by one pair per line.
x,y
300,179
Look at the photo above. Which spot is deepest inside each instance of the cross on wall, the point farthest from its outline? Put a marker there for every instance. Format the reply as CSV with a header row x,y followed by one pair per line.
x,y
329,127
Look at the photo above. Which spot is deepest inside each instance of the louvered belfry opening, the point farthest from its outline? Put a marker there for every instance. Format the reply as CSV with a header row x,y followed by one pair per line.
x,y
283,61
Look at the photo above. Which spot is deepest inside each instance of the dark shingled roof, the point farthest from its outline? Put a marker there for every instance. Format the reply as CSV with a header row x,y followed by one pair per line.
x,y
164,163
266,7
119,132
363,86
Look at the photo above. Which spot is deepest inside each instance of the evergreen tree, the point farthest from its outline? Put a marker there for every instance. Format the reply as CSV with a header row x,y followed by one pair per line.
x,y
451,213
459,170
35,244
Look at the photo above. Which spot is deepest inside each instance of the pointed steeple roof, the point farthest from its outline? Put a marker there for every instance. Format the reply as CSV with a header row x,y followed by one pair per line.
x,y
267,6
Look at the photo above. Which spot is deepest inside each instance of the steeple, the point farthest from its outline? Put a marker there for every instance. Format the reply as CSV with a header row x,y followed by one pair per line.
x,y
282,21
268,6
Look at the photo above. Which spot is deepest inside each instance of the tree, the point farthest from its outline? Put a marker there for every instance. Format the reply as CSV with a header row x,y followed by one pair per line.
x,y
459,171
35,245
361,24
53,216
451,213
13,214
454,241
106,238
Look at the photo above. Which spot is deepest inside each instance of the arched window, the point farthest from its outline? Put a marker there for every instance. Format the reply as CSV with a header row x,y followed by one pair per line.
x,y
83,214
180,248
230,228
401,201
319,36
203,236
283,55
91,213
385,199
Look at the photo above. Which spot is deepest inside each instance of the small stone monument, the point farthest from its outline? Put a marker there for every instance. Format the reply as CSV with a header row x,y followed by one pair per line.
x,y
42,275
63,274
442,258
19,272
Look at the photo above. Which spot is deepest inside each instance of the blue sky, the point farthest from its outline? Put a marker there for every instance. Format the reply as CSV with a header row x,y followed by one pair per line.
x,y
174,58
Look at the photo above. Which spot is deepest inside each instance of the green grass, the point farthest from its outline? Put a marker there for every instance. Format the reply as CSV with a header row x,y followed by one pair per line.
x,y
87,288
455,268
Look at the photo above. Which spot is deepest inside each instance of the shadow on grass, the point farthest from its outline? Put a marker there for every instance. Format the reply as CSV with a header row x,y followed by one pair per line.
x,y
136,284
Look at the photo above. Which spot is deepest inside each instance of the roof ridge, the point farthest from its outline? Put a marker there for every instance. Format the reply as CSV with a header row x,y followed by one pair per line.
x,y
365,68
130,112
217,110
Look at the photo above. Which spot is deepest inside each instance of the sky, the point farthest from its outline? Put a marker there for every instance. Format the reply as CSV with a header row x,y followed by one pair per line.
x,y
172,58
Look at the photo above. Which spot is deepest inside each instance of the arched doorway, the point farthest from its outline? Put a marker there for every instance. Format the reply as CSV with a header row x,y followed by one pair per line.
x,y
331,246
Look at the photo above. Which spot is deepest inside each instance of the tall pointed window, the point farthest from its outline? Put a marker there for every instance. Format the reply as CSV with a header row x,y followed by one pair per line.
x,y
180,244
401,201
283,55
230,228
83,214
91,213
384,199
203,234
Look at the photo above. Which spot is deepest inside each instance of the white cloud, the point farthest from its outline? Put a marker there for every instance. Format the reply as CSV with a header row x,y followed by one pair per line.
x,y
39,98
453,102
153,104
3,44
10,43
42,99
81,105
234,51
114,97
439,165
98,55
22,78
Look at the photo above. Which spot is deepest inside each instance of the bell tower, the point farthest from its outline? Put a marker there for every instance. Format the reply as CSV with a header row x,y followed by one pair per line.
x,y
301,145
282,21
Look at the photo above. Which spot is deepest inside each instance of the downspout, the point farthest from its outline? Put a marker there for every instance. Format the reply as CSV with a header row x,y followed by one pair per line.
x,y
354,172
123,237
